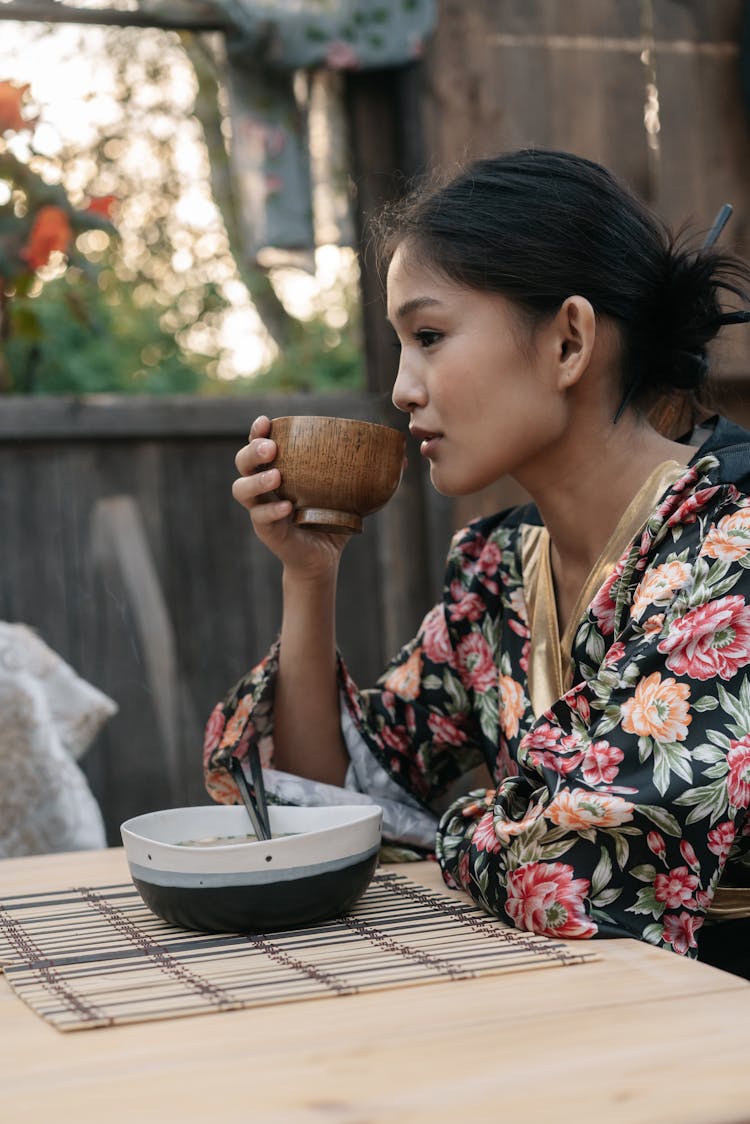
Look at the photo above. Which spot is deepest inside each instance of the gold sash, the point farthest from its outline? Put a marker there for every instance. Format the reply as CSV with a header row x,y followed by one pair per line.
x,y
550,657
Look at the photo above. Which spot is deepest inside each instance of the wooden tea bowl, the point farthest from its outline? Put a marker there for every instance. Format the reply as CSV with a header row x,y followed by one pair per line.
x,y
336,470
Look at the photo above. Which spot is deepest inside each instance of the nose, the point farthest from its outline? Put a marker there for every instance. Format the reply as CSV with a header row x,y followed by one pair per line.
x,y
408,389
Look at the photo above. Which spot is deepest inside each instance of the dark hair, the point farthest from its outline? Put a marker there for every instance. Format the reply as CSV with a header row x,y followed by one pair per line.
x,y
539,226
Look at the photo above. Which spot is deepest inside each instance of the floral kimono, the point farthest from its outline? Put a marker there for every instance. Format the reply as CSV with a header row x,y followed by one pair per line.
x,y
619,753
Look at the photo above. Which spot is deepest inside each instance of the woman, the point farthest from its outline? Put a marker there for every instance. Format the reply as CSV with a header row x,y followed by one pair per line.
x,y
591,649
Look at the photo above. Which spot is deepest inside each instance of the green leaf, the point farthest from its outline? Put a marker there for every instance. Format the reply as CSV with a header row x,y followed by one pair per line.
x,y
608,721
679,758
745,694
606,897
661,769
646,903
724,587
645,746
663,819
455,692
720,769
595,647
632,673
602,872
708,801
622,847
708,753
708,702
646,872
556,849
601,916
716,572
653,933
734,708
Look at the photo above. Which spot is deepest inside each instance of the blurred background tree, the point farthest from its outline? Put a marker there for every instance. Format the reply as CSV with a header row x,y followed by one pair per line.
x,y
170,304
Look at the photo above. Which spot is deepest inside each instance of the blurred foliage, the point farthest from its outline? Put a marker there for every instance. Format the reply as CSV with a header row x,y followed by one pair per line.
x,y
313,361
66,345
145,312
39,223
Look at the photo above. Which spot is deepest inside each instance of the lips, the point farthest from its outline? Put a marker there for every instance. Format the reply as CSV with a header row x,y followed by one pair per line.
x,y
427,439
422,434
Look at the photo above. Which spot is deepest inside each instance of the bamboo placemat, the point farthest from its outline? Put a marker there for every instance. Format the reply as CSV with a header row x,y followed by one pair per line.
x,y
96,956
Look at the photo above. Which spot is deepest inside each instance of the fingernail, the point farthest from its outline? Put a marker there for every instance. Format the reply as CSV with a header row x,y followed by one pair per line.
x,y
264,448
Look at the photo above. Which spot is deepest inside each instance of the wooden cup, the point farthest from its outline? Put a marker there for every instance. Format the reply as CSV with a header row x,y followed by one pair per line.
x,y
336,470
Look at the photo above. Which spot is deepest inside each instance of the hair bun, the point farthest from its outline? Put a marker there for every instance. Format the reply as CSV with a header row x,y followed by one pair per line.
x,y
685,314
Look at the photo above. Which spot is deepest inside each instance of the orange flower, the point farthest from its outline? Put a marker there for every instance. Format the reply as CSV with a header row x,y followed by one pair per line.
x,y
729,539
11,97
405,680
50,231
578,809
102,205
659,585
511,705
658,709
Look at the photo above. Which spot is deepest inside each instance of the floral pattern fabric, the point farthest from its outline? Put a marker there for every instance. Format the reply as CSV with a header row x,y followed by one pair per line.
x,y
617,811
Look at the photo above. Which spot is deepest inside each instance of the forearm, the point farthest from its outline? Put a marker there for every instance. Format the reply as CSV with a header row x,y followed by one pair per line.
x,y
307,732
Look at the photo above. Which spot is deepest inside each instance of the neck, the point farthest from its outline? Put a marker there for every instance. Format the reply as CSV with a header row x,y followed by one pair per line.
x,y
585,485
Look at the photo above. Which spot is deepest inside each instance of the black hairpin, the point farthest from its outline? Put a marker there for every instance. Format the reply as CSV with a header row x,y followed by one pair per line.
x,y
738,317
719,223
626,400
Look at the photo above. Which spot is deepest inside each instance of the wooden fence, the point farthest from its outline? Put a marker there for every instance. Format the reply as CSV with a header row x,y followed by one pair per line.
x,y
120,543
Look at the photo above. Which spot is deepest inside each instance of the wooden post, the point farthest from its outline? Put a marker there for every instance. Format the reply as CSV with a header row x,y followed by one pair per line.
x,y
384,120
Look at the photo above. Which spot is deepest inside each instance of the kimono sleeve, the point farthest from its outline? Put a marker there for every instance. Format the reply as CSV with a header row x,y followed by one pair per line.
x,y
418,725
634,787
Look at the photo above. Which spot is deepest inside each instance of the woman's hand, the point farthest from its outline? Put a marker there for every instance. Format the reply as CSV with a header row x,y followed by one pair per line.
x,y
304,553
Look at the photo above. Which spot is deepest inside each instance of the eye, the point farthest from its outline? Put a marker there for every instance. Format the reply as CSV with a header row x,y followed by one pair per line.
x,y
426,337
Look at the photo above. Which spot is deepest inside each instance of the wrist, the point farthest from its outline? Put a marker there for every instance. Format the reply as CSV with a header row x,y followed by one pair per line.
x,y
317,578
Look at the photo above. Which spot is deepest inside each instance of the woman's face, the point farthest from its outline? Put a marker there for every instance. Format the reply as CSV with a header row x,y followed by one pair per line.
x,y
478,386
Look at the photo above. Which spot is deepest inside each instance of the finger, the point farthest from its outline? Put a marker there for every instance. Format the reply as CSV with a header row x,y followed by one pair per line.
x,y
260,427
258,452
249,489
266,514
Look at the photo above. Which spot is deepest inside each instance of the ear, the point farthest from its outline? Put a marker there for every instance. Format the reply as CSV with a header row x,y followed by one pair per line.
x,y
574,330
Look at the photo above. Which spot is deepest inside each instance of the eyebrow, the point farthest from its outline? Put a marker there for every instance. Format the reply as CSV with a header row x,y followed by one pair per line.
x,y
414,304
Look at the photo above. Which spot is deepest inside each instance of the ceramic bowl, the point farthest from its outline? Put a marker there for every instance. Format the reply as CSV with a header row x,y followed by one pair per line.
x,y
318,864
336,470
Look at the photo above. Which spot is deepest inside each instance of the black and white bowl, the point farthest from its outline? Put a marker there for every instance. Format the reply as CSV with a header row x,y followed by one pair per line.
x,y
316,866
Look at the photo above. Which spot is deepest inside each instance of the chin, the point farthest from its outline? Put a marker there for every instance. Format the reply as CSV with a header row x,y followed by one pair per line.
x,y
454,487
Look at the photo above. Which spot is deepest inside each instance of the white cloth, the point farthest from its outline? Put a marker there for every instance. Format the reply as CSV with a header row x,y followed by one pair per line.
x,y
48,718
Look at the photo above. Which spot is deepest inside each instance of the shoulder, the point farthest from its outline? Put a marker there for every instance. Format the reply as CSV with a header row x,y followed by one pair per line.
x,y
729,444
503,526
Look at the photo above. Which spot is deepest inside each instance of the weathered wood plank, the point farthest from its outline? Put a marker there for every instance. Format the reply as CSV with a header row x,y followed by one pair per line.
x,y
38,418
178,17
504,74
704,140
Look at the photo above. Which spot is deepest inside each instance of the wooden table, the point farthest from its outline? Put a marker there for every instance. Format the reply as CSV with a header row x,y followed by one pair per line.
x,y
641,1035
